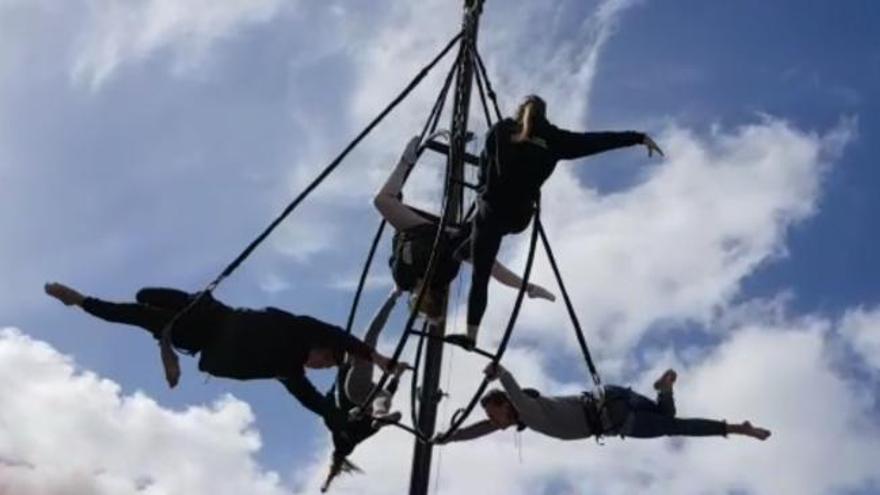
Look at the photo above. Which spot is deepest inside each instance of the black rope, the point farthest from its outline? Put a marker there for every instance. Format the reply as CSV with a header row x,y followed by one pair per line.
x,y
459,418
490,91
429,127
582,341
426,282
432,260
364,274
482,94
336,161
166,332
414,311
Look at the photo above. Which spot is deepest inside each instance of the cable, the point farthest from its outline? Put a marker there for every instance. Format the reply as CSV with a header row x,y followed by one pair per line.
x,y
172,374
492,95
582,341
462,414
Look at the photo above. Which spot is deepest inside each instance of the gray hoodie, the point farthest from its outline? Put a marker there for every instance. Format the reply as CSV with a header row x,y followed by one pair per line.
x,y
555,416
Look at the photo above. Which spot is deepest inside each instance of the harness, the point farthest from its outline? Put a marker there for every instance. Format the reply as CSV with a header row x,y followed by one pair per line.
x,y
411,252
597,413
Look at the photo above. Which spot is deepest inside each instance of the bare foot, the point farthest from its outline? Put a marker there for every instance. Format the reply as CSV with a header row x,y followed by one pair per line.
x,y
64,294
666,381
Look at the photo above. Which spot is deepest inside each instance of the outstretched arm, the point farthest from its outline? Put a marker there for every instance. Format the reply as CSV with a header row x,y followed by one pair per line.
x,y
570,145
529,408
300,387
506,277
470,432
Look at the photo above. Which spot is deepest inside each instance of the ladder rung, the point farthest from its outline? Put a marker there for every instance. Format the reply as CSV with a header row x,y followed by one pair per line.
x,y
444,149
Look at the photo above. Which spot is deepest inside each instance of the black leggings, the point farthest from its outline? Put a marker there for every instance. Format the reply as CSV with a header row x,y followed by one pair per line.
x,y
650,419
154,309
490,225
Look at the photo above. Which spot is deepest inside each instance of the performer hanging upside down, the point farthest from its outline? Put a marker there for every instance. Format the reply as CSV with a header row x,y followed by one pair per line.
x,y
572,417
357,380
414,239
519,155
239,343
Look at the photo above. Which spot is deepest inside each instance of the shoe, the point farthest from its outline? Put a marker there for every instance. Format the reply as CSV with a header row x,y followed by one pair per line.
x,y
380,421
462,340
666,380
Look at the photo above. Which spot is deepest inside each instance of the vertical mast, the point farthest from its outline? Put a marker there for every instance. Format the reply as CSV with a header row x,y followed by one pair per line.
x,y
420,475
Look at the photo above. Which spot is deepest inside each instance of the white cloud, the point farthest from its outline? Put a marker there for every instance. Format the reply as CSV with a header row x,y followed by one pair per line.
x,y
64,430
861,327
117,32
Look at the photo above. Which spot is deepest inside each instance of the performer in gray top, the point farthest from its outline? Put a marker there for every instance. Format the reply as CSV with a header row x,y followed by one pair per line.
x,y
572,417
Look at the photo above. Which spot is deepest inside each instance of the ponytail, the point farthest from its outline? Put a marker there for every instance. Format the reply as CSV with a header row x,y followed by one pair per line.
x,y
531,112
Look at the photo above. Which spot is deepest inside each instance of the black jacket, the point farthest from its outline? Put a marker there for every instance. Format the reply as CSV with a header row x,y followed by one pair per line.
x,y
513,173
272,343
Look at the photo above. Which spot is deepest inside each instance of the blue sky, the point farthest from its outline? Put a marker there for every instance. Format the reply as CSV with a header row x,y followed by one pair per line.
x,y
147,143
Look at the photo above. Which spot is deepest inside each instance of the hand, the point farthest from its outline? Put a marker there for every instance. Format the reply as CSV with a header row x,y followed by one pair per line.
x,y
493,371
439,438
399,368
536,291
652,146
381,361
171,364
411,153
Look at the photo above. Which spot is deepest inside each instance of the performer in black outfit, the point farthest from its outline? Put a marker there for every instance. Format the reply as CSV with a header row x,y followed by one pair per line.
x,y
519,155
239,343
356,383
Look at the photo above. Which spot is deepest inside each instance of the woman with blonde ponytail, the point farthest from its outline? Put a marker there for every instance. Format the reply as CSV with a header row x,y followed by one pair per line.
x,y
519,156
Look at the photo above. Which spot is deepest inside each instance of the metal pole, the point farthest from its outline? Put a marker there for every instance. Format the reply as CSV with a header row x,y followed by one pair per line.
x,y
430,394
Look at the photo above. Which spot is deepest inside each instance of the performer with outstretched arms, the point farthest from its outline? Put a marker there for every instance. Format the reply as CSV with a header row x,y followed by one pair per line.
x,y
357,381
519,156
573,417
239,343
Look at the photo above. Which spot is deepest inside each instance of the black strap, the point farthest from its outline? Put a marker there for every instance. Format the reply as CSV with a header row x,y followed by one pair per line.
x,y
582,341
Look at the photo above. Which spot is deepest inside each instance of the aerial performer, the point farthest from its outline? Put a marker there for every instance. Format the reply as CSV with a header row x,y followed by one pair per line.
x,y
518,157
572,417
414,239
240,343
357,382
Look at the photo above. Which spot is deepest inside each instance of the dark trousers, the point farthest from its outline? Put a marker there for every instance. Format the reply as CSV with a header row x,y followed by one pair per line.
x,y
490,225
652,419
154,308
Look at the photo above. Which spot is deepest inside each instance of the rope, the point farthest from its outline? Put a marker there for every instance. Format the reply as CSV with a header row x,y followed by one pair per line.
x,y
170,361
461,415
582,341
482,94
429,271
429,127
492,95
